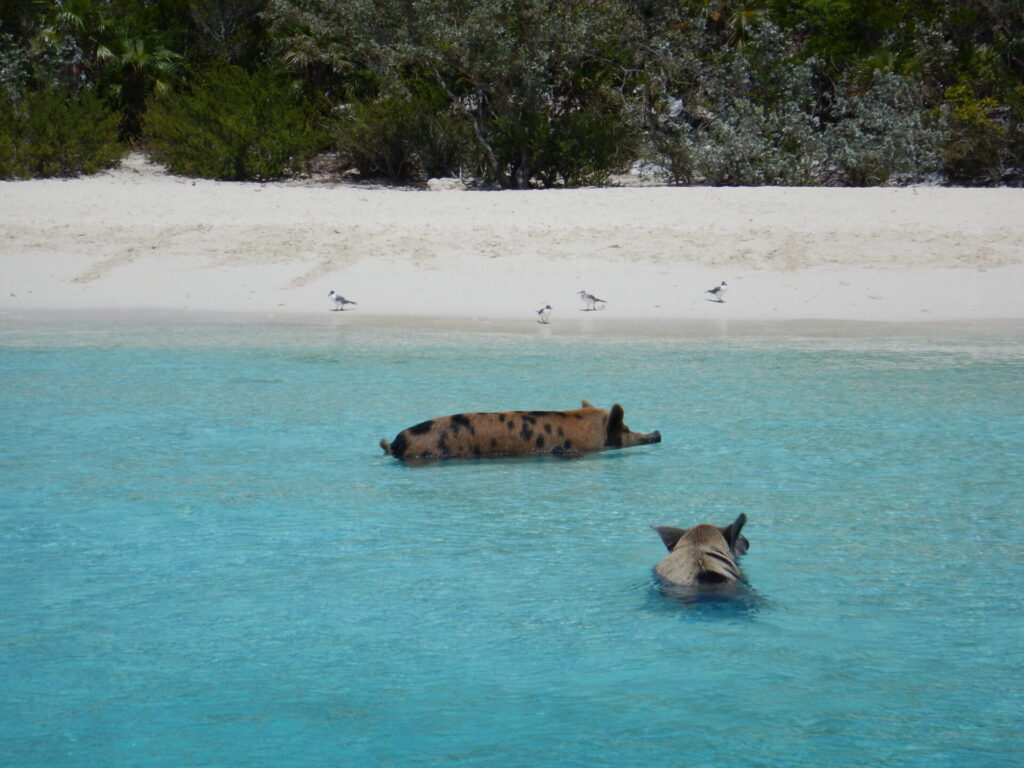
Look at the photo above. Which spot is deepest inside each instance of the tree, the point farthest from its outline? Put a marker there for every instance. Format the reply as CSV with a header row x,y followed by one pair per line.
x,y
536,80
137,69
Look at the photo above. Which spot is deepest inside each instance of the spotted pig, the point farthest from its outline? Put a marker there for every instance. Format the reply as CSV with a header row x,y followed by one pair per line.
x,y
518,433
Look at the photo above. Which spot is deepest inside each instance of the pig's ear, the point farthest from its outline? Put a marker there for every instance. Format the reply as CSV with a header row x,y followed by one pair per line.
x,y
670,536
613,437
586,404
732,533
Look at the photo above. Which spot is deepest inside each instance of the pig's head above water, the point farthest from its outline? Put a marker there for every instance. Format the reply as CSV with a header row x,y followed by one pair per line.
x,y
703,557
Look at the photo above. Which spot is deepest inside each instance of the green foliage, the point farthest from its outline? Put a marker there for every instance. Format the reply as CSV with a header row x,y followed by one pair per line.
x,y
136,69
9,164
525,93
49,134
129,51
13,66
234,125
983,145
403,137
740,119
586,145
843,32
541,94
226,30
528,79
379,137
883,135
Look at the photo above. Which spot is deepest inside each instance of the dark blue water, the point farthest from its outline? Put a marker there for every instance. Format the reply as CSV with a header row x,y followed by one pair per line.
x,y
206,560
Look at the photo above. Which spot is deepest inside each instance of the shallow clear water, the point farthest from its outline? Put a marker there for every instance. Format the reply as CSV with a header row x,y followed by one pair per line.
x,y
207,560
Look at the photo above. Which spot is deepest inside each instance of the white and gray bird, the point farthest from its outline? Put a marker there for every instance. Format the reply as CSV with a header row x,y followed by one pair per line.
x,y
339,301
719,291
544,313
590,300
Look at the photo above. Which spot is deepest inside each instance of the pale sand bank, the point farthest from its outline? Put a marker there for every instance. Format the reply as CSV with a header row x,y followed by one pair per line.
x,y
137,239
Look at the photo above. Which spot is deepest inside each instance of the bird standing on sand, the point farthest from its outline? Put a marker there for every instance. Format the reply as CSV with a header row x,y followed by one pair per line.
x,y
544,313
590,300
719,291
339,301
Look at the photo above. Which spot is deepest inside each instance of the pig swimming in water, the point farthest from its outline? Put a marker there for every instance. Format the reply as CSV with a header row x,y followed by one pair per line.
x,y
703,557
518,433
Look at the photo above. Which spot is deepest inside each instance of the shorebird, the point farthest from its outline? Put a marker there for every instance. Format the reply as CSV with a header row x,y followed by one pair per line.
x,y
545,314
590,300
339,301
719,291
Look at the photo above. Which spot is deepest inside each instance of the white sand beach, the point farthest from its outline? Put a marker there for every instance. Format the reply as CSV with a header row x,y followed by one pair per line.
x,y
138,239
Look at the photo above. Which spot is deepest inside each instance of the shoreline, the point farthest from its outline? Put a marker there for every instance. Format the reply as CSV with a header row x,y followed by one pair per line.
x,y
627,329
136,240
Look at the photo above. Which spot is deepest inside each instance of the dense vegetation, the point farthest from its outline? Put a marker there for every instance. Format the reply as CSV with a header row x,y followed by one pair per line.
x,y
520,93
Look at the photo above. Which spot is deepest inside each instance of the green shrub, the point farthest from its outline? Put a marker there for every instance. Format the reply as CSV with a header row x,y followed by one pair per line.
x,y
586,145
672,151
47,133
739,118
379,137
402,137
8,158
883,135
748,144
979,148
234,125
582,142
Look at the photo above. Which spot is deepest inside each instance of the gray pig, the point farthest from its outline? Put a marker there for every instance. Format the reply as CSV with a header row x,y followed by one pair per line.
x,y
703,557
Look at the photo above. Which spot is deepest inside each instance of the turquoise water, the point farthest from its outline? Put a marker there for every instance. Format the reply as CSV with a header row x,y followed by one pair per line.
x,y
207,560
